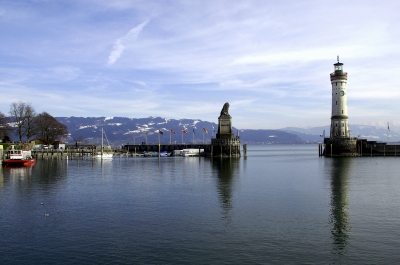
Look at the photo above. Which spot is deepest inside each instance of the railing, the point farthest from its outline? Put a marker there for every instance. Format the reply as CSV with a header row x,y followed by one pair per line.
x,y
337,74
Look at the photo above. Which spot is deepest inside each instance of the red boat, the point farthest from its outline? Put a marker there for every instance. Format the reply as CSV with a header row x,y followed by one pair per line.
x,y
19,158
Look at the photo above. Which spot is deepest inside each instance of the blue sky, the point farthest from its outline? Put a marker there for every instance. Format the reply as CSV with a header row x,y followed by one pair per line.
x,y
270,60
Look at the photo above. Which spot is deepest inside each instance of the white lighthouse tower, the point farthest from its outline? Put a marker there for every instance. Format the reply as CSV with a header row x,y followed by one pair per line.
x,y
339,118
339,143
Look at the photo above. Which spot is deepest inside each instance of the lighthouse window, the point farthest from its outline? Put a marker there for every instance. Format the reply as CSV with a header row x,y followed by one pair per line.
x,y
336,83
336,102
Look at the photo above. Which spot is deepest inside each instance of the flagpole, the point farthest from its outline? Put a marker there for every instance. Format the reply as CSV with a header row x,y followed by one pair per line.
x,y
193,137
203,136
170,136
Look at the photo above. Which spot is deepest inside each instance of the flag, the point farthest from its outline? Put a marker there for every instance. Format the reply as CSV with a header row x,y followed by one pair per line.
x,y
193,131
205,130
160,132
172,131
184,131
213,129
388,127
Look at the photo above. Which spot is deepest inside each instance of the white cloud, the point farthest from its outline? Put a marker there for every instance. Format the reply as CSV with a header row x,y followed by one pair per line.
x,y
120,44
270,60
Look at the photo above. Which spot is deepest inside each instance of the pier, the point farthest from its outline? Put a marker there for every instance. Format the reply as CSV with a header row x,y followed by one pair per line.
x,y
140,148
363,148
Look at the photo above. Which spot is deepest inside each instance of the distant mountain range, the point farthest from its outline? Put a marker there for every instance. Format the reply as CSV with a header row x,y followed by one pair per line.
x,y
371,133
120,131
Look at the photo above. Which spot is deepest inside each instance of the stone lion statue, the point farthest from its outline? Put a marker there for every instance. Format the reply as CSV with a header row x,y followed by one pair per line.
x,y
225,110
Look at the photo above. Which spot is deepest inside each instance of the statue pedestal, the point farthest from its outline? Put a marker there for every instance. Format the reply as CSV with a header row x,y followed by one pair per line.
x,y
224,127
225,144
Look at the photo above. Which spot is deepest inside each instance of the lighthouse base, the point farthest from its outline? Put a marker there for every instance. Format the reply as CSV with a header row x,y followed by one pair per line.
x,y
340,147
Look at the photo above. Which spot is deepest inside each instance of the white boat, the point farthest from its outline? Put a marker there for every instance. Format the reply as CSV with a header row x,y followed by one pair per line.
x,y
176,153
19,157
192,152
105,151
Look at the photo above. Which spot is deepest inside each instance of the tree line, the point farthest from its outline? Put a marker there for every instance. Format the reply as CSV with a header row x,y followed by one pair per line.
x,y
24,122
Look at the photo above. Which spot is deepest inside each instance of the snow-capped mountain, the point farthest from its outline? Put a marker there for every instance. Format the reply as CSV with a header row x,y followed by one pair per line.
x,y
371,133
120,131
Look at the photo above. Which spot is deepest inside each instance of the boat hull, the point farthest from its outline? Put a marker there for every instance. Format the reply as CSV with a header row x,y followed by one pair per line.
x,y
104,156
19,162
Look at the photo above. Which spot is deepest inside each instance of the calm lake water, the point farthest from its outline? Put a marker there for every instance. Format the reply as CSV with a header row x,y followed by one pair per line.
x,y
282,204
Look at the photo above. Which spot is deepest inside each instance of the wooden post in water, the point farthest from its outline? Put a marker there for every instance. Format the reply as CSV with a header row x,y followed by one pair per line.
x,y
245,149
331,150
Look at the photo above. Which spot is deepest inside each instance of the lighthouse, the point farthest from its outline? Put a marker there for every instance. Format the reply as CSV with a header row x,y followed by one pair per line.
x,y
339,143
339,117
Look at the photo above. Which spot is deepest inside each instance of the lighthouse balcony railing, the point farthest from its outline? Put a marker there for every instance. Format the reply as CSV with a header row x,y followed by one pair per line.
x,y
339,74
341,138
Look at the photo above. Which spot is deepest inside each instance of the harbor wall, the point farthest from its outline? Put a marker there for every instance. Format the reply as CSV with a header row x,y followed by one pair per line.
x,y
373,148
357,147
139,148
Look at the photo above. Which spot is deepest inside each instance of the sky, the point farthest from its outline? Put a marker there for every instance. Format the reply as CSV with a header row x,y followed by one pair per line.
x,y
183,59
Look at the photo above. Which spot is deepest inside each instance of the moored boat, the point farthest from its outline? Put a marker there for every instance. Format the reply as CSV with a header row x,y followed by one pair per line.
x,y
192,152
105,151
19,157
152,153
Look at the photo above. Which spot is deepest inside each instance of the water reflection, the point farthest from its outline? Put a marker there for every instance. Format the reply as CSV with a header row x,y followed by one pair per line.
x,y
43,172
1,178
226,168
19,172
19,177
339,216
50,171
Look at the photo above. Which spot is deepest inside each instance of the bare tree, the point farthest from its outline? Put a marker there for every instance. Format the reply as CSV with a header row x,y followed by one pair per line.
x,y
49,129
29,127
5,128
22,114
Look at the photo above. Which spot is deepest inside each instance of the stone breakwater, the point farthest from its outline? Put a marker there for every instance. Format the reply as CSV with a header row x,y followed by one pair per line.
x,y
357,147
